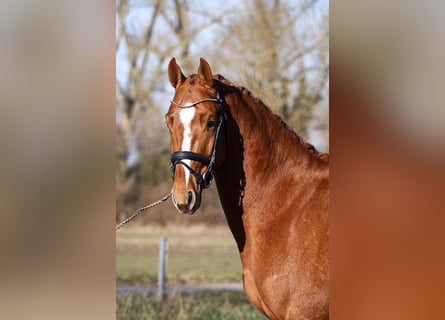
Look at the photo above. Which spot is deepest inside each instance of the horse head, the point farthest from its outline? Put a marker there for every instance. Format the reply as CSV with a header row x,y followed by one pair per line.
x,y
195,120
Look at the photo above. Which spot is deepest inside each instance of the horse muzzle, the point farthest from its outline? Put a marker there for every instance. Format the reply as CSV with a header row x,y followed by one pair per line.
x,y
186,201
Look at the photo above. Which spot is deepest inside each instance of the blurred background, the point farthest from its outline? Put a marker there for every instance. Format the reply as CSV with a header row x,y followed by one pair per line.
x,y
60,114
277,49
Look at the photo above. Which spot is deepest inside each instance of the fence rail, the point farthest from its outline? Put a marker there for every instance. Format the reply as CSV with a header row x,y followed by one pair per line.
x,y
161,289
150,289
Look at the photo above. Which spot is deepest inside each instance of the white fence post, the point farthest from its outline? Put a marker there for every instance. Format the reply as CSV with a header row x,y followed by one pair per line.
x,y
161,268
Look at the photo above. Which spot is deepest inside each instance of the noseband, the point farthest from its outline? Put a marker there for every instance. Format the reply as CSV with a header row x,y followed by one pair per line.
x,y
205,180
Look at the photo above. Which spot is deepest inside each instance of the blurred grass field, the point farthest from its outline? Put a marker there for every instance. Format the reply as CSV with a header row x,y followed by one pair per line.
x,y
196,254
221,305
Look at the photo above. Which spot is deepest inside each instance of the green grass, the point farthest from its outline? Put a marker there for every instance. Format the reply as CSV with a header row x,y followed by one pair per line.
x,y
223,305
197,254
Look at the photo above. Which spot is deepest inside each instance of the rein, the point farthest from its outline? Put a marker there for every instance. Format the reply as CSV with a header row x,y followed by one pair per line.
x,y
138,211
204,180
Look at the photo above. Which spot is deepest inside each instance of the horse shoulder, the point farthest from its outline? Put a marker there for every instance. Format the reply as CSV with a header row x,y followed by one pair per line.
x,y
296,233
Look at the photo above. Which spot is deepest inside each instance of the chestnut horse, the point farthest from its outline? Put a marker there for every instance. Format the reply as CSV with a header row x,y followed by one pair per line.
x,y
273,189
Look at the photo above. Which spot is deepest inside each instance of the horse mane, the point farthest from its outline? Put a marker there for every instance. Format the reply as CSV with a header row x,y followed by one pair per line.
x,y
250,97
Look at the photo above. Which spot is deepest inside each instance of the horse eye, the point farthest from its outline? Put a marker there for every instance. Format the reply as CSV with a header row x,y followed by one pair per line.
x,y
210,124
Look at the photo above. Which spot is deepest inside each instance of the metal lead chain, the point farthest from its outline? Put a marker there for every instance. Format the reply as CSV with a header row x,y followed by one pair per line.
x,y
138,211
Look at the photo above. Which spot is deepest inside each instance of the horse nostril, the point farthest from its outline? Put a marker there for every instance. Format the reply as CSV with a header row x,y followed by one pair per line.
x,y
189,198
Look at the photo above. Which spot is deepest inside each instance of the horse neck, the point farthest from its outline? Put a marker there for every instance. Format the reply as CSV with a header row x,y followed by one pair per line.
x,y
267,143
261,148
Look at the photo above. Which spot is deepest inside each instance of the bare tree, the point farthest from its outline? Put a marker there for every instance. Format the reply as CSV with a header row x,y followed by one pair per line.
x,y
281,49
278,49
146,46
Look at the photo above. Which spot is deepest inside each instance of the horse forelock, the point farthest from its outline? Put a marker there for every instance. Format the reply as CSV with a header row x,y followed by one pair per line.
x,y
192,79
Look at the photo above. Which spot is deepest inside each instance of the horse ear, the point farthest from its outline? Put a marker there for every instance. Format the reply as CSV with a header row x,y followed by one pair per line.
x,y
204,72
175,74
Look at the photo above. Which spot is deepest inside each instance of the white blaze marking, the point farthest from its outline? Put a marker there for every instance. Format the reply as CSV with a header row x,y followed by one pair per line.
x,y
186,117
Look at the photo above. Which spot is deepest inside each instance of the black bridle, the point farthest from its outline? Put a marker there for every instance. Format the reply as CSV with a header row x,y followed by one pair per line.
x,y
204,180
